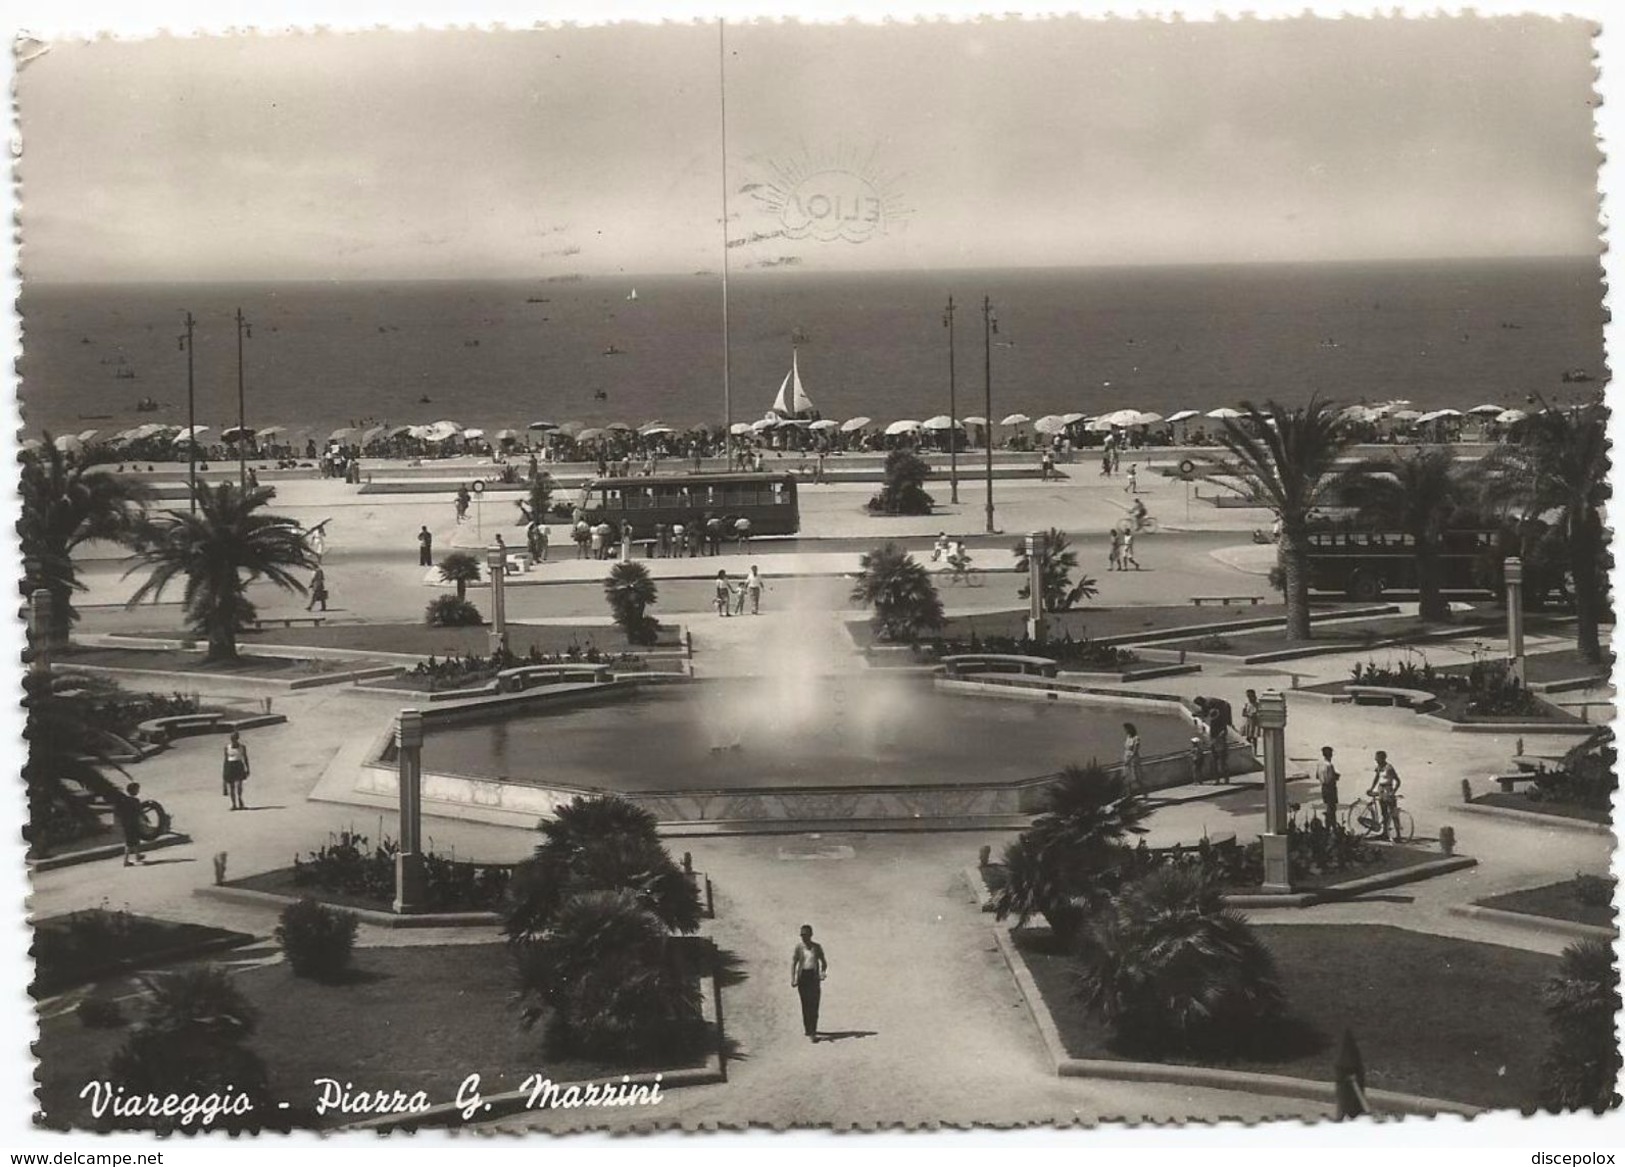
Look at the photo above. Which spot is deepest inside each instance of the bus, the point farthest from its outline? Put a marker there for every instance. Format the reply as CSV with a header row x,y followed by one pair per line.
x,y
767,500
1363,563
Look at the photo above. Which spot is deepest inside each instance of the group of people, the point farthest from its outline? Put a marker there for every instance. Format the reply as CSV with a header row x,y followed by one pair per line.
x,y
731,595
1121,555
1212,720
1383,790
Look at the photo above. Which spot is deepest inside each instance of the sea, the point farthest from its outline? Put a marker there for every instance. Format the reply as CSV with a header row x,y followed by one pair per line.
x,y
633,349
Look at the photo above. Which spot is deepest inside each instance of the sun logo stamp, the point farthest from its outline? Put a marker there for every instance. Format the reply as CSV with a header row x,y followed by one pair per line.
x,y
839,195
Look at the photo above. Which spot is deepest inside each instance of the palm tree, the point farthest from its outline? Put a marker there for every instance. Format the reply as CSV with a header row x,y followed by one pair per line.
x,y
533,507
1168,968
630,591
900,591
1284,459
219,550
1560,465
1056,563
1581,1002
68,499
1034,885
1416,495
903,489
67,753
461,569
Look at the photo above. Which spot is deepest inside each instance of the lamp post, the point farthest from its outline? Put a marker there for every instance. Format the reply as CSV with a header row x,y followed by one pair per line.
x,y
953,409
1514,578
409,883
244,329
990,325
727,394
1272,730
1036,547
191,413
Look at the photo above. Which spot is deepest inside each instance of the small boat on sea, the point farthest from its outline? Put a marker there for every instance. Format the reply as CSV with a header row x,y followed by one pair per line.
x,y
633,294
612,351
792,400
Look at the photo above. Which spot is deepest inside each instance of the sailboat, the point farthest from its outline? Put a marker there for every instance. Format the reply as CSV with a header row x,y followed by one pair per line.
x,y
633,294
792,400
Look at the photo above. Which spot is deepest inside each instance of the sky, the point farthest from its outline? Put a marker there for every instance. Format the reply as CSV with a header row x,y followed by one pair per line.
x,y
564,151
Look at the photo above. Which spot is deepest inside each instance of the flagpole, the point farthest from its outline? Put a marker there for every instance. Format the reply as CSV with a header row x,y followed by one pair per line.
x,y
727,397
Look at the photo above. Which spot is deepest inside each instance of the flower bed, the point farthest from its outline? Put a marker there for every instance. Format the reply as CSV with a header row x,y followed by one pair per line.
x,y
352,872
1585,899
84,946
470,671
1066,652
1414,1002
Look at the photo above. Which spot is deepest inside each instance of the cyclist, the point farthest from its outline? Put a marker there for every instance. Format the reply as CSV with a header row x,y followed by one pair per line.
x,y
1385,790
1137,513
941,548
958,560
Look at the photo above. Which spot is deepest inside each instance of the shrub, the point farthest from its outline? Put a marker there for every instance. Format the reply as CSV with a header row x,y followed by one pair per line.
x,y
188,1038
451,612
1583,1062
349,864
903,491
1056,563
100,1013
630,591
1168,969
1594,891
900,591
1084,653
317,940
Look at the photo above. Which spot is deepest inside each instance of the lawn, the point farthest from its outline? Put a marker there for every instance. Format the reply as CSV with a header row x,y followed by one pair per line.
x,y
413,1018
82,946
422,640
1580,901
1563,810
1372,633
1452,706
176,661
1443,1018
1105,623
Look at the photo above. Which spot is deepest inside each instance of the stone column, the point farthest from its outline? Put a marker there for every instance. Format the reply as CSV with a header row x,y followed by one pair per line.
x,y
497,567
1272,733
39,630
1514,578
1035,586
409,888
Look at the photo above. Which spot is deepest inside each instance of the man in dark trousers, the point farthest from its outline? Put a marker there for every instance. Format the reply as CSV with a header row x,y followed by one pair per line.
x,y
127,812
807,970
425,548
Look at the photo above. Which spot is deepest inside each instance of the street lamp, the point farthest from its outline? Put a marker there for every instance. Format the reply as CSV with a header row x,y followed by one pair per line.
x,y
244,329
953,408
185,341
990,325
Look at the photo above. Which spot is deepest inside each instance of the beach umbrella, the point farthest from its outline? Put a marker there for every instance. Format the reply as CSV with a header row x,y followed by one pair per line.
x,y
822,424
1511,416
1184,414
1405,415
86,435
1074,418
507,435
544,425
572,428
1049,424
1117,417
270,431
974,420
739,428
903,426
68,443
620,426
235,433
854,423
397,431
1149,417
941,422
473,433
1016,419
1223,412
344,433
590,435
656,430
192,433
765,423
1487,410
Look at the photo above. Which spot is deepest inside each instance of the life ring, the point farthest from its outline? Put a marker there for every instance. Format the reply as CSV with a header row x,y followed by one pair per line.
x,y
1187,468
154,821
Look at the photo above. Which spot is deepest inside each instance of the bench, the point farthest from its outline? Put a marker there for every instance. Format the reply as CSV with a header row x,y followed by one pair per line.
x,y
163,730
262,622
1199,601
521,677
1388,695
968,663
1509,782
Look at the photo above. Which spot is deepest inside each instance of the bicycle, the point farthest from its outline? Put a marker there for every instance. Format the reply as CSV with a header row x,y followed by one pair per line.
x,y
1139,524
1363,817
961,572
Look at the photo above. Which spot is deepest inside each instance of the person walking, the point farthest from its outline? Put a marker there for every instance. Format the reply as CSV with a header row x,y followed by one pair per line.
x,y
1218,732
808,968
1128,551
1133,486
725,593
463,499
1046,466
234,770
596,538
627,536
1132,772
1114,558
1326,777
318,591
753,586
1385,789
541,542
425,547
127,813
